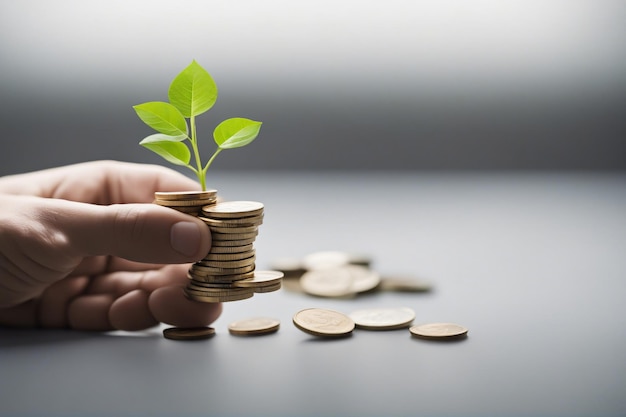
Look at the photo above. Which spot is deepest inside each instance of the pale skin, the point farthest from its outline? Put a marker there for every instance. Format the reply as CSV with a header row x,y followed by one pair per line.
x,y
82,247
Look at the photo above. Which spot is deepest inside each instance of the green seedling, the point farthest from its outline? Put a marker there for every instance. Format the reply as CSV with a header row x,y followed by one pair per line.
x,y
191,93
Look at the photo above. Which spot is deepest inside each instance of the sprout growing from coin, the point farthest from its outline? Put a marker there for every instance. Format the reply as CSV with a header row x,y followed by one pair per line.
x,y
191,93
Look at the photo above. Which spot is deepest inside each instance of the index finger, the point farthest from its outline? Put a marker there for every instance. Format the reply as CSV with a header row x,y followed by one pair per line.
x,y
99,182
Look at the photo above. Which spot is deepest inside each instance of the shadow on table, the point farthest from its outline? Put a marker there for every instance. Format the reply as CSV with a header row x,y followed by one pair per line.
x,y
11,338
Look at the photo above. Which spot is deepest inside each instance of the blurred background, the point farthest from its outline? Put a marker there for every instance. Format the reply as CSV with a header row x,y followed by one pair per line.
x,y
339,85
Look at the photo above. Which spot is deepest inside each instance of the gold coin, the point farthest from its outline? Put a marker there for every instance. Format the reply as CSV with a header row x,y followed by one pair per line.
x,y
235,222
261,279
329,282
228,256
185,195
220,298
215,292
363,279
184,203
268,288
237,263
202,286
218,279
383,318
216,237
323,322
199,269
254,326
403,284
325,260
438,330
233,230
230,209
191,333
231,249
232,243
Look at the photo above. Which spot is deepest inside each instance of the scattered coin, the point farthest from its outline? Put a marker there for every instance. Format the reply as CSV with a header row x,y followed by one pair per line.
x,y
438,330
254,326
192,333
404,284
327,282
343,281
363,279
325,260
383,318
323,323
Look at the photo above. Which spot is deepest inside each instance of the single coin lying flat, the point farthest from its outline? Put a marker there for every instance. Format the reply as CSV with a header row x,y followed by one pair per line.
x,y
342,281
185,195
261,279
254,326
230,209
404,284
330,282
383,318
192,333
438,330
325,259
323,323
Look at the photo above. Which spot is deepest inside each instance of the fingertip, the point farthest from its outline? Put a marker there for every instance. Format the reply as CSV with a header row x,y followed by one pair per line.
x,y
191,239
170,305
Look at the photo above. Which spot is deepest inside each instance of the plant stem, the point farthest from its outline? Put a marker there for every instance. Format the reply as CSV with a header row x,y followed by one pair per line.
x,y
208,164
194,145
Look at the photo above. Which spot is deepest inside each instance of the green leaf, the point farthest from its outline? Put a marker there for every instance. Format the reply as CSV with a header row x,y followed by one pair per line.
x,y
193,91
236,132
162,117
171,148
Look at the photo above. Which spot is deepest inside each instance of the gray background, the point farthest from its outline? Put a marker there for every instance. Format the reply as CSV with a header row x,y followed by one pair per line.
x,y
395,85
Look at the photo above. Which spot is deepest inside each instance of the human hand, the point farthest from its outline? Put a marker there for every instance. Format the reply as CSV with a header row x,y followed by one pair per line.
x,y
79,248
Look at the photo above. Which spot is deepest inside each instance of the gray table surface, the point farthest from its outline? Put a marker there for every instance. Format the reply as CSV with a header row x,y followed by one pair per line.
x,y
532,264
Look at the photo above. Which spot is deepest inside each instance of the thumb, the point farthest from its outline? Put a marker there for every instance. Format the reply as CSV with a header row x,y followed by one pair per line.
x,y
137,232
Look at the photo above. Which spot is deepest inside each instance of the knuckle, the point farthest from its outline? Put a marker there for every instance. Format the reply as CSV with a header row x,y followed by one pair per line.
x,y
129,222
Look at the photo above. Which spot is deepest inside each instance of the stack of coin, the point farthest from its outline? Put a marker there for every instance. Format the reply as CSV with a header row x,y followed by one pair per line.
x,y
227,272
189,202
